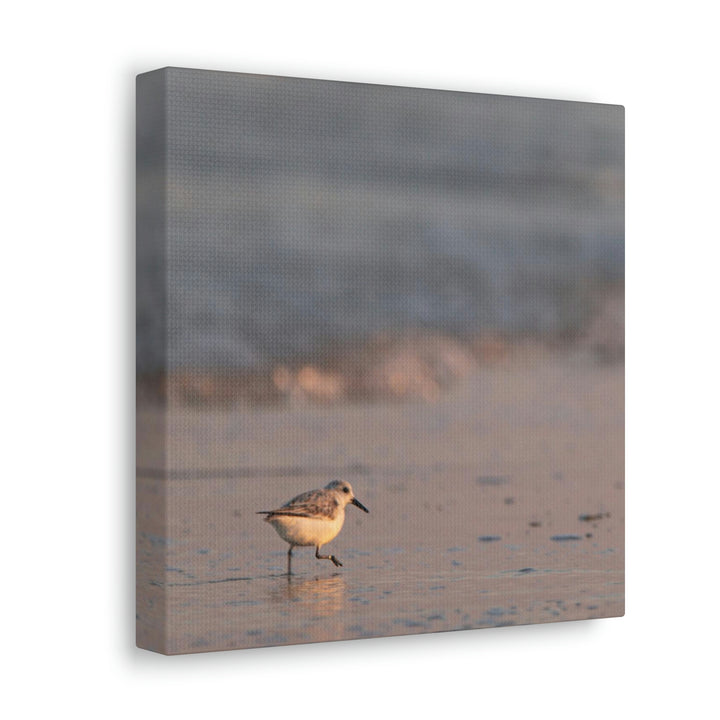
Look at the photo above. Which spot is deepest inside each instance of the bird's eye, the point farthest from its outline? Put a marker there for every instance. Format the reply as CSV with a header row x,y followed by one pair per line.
x,y
345,490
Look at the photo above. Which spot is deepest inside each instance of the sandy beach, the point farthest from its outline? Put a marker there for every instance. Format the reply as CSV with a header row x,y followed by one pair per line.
x,y
500,503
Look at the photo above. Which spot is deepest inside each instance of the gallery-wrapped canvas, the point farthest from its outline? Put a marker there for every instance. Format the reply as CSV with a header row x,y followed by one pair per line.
x,y
380,361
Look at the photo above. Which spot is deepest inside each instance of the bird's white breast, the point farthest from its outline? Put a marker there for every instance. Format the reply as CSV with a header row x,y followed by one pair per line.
x,y
307,531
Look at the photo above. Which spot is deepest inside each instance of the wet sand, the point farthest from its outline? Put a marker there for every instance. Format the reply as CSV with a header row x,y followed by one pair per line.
x,y
500,503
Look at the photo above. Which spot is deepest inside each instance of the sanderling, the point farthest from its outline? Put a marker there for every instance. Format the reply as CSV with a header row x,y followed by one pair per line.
x,y
313,518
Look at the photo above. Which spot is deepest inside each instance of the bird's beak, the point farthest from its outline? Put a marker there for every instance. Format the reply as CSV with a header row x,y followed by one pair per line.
x,y
357,503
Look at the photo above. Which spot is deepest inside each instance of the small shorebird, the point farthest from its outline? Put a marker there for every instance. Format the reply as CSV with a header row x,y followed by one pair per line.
x,y
313,518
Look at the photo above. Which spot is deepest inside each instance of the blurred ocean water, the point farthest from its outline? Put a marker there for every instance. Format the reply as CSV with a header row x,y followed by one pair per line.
x,y
300,213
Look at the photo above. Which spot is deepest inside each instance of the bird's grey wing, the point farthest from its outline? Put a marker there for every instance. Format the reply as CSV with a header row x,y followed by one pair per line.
x,y
312,503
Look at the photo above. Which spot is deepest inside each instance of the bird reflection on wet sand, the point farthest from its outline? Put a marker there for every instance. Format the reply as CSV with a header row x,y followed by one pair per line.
x,y
324,595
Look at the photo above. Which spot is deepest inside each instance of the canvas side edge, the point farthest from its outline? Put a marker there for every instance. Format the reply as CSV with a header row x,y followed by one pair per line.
x,y
151,360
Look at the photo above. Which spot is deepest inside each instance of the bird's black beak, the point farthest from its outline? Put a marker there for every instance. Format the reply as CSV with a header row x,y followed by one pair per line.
x,y
357,503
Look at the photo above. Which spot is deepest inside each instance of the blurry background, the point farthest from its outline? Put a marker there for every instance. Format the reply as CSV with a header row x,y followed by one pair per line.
x,y
313,224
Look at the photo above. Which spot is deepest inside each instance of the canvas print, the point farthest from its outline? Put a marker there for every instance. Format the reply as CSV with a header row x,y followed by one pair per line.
x,y
380,361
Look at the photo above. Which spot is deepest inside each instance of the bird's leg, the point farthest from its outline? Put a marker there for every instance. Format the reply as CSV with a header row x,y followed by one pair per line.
x,y
327,557
289,572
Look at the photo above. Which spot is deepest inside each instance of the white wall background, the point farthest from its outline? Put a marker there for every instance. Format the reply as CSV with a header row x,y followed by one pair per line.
x,y
67,265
